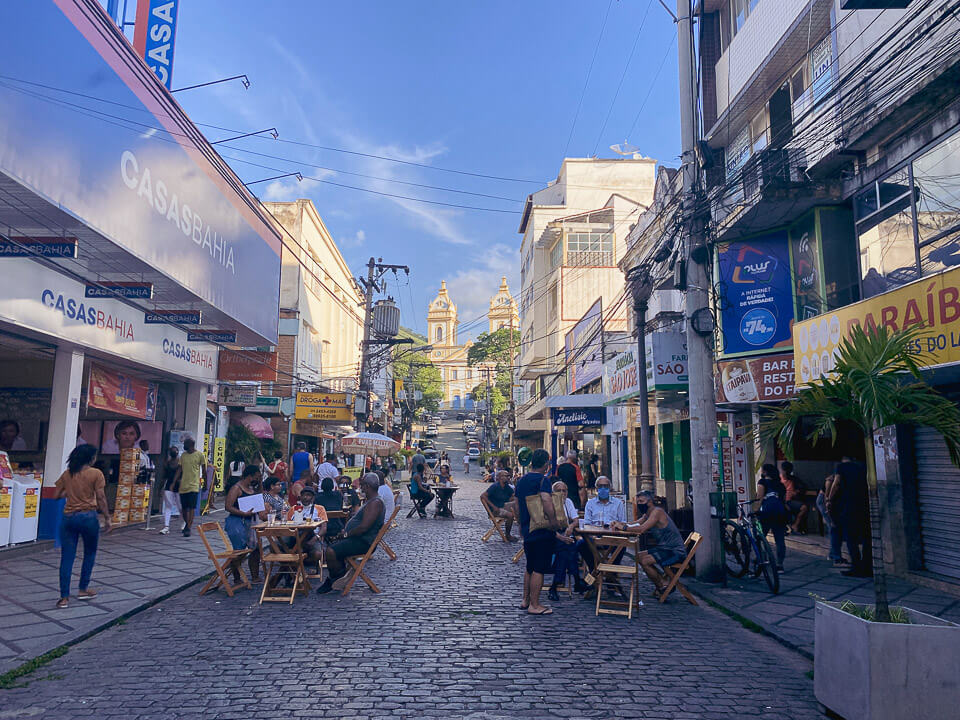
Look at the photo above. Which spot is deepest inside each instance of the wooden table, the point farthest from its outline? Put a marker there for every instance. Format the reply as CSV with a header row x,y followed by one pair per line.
x,y
591,532
285,560
444,506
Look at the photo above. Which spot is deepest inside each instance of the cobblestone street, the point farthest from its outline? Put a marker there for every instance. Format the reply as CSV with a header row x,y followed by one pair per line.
x,y
444,639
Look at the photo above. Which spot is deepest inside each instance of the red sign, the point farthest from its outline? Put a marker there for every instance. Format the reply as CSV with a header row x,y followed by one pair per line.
x,y
118,392
247,365
761,379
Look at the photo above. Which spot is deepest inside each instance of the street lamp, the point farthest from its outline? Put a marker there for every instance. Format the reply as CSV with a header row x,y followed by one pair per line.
x,y
641,286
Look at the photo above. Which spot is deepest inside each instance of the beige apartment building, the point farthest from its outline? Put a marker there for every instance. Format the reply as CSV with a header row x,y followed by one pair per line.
x,y
574,233
321,316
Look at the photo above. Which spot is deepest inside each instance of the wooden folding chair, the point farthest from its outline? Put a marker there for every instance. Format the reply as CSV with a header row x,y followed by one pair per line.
x,y
286,562
497,525
675,571
606,572
357,562
396,502
519,554
229,559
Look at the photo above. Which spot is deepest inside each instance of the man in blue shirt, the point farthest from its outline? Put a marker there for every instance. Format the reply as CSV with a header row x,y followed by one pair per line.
x,y
538,545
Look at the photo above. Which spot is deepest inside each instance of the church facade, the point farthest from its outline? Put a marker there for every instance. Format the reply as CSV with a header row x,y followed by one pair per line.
x,y
459,379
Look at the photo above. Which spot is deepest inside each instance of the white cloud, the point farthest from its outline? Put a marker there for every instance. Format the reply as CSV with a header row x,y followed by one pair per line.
x,y
349,242
288,188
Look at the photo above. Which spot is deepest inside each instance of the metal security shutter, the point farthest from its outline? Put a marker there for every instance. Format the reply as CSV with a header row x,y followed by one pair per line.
x,y
938,487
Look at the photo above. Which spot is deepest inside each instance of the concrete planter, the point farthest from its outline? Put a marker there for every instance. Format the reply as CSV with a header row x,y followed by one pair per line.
x,y
885,671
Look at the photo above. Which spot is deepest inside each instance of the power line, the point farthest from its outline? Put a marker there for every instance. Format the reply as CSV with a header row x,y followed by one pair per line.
x,y
626,67
587,80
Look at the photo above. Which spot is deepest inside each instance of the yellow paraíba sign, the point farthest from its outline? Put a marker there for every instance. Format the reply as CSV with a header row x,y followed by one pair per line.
x,y
334,407
933,302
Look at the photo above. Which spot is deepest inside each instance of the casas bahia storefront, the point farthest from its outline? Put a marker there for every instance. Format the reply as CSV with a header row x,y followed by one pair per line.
x,y
129,254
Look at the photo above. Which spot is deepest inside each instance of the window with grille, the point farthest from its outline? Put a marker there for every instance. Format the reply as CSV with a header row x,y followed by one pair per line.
x,y
593,248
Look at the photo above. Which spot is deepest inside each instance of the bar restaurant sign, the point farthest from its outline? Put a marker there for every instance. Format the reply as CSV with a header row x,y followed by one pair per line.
x,y
333,407
933,302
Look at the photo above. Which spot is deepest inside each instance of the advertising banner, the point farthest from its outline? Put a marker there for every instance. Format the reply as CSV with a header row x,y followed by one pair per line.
x,y
760,379
621,378
121,393
238,395
590,416
154,192
933,302
219,461
584,348
755,293
667,360
330,407
247,365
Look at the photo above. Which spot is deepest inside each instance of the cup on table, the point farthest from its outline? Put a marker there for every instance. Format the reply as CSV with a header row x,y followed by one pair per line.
x,y
271,517
581,522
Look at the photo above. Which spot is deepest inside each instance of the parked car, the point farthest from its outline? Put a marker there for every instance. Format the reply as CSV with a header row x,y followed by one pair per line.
x,y
460,416
432,430
433,458
473,452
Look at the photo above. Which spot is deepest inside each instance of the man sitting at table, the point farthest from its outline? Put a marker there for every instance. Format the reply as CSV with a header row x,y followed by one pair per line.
x,y
331,499
565,560
604,510
499,500
669,548
359,534
311,513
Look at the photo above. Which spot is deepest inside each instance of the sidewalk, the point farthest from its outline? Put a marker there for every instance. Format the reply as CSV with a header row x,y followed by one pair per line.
x,y
134,569
788,616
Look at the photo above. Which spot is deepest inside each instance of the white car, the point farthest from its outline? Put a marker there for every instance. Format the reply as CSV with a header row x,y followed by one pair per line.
x,y
474,453
432,431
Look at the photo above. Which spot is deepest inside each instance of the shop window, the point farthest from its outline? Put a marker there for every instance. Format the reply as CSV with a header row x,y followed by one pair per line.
x,y
936,177
888,256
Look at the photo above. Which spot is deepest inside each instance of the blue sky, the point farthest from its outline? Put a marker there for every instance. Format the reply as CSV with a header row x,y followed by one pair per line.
x,y
486,87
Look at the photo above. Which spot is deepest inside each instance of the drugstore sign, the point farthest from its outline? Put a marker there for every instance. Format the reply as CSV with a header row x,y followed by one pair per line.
x,y
933,302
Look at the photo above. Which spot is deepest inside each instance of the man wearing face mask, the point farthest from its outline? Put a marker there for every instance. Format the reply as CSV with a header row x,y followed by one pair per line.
x,y
604,509
669,548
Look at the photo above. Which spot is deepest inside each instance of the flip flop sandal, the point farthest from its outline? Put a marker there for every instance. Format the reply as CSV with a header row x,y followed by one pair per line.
x,y
523,607
545,611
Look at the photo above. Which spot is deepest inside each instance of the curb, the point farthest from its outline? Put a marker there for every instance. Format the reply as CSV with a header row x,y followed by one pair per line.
x,y
749,624
106,624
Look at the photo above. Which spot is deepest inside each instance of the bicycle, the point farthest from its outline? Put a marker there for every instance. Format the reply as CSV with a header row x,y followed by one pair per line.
x,y
746,548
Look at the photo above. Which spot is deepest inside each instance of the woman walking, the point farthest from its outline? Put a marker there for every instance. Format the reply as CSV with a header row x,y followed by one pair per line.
x,y
82,485
773,511
171,489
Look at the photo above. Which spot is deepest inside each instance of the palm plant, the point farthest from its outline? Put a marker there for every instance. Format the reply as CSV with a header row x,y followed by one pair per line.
x,y
876,383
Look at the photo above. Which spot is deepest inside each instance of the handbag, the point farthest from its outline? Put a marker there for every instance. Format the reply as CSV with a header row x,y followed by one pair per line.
x,y
772,509
538,517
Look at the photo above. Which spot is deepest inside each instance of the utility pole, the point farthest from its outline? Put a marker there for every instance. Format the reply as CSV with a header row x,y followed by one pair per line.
x,y
488,425
703,411
375,270
362,409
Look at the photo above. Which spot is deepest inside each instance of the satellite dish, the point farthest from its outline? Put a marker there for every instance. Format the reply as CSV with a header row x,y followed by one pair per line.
x,y
625,149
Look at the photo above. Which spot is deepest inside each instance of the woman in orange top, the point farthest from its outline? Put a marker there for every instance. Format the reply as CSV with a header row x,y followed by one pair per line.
x,y
82,485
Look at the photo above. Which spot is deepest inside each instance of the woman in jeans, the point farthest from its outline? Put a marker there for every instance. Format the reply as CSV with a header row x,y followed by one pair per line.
x,y
82,485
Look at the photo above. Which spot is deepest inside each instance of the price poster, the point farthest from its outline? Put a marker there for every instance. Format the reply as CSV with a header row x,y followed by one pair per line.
x,y
6,496
755,292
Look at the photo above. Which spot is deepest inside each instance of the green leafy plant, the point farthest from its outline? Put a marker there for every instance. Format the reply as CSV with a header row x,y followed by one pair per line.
x,y
875,383
867,612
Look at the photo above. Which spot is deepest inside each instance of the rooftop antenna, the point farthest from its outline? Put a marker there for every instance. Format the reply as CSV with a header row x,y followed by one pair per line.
x,y
625,149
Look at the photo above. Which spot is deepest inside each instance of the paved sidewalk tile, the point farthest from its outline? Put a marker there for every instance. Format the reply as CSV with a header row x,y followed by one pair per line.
x,y
789,615
126,576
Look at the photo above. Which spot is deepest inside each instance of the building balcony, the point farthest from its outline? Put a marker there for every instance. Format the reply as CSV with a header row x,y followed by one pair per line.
x,y
772,188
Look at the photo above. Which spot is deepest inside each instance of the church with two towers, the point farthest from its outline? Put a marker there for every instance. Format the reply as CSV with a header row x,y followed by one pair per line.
x,y
459,379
